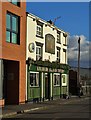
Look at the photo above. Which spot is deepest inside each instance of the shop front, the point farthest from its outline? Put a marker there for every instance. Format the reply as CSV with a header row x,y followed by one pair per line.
x,y
44,80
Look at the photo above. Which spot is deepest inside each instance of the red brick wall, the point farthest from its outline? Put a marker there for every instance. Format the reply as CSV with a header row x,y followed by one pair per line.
x,y
13,51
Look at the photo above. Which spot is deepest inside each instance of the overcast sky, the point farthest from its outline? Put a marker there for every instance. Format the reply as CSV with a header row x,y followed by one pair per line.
x,y
74,19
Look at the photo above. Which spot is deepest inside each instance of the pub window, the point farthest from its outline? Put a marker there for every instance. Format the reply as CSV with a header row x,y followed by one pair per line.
x,y
38,52
58,54
58,37
64,51
39,48
56,79
12,28
15,2
39,29
65,39
34,79
63,78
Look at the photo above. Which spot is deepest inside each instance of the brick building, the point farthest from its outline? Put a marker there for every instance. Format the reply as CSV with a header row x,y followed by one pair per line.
x,y
12,52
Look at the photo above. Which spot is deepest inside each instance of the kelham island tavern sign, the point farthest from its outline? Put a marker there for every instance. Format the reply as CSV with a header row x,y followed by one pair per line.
x,y
45,69
50,44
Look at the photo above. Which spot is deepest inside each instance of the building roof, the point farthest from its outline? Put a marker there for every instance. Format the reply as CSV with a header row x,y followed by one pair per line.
x,y
45,22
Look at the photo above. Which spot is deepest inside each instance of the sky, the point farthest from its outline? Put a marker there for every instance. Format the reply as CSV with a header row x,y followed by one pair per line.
x,y
74,19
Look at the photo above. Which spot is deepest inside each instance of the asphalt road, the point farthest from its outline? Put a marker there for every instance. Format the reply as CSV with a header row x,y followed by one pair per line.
x,y
56,110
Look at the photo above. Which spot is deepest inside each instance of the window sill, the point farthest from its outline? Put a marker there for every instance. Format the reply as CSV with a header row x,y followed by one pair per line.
x,y
58,42
39,36
18,5
58,61
64,44
12,43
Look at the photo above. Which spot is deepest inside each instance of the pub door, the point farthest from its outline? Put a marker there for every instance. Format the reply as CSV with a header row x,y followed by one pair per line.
x,y
47,85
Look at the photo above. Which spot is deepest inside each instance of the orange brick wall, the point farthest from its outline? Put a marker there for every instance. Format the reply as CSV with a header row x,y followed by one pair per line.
x,y
13,51
2,103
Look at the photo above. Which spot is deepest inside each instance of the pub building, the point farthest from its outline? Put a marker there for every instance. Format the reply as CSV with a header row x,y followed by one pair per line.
x,y
46,60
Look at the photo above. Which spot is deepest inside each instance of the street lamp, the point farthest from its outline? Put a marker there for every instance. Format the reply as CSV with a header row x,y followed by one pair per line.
x,y
78,75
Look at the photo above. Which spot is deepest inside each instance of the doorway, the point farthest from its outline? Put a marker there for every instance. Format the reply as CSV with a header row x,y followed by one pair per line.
x,y
47,85
11,82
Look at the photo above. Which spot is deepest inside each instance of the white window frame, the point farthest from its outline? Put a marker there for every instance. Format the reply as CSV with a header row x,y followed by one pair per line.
x,y
39,30
38,54
37,79
57,74
64,80
65,55
58,37
58,57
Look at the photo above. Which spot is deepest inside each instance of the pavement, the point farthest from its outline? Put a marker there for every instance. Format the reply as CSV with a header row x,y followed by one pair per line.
x,y
10,110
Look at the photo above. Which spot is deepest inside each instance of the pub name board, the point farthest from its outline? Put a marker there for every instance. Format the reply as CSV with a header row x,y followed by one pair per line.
x,y
45,69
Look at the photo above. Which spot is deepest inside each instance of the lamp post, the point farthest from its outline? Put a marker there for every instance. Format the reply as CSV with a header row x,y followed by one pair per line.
x,y
78,75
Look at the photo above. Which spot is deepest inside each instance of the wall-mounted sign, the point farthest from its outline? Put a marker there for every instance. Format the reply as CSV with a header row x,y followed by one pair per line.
x,y
50,44
31,47
45,69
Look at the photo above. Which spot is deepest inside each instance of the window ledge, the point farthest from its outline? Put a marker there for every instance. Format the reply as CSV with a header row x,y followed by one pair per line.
x,y
39,36
64,44
13,43
58,42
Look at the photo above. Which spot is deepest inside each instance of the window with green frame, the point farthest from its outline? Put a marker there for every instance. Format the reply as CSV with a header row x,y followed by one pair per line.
x,y
15,2
63,78
56,79
34,79
12,28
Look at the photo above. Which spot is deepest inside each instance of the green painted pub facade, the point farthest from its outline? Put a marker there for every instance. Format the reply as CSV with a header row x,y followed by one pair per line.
x,y
49,79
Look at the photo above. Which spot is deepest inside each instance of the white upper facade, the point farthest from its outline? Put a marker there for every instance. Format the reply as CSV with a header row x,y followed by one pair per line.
x,y
45,41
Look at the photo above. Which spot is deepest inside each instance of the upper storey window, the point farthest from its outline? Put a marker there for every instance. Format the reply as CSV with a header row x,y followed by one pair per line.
x,y
15,2
58,54
58,37
39,29
65,40
39,51
12,28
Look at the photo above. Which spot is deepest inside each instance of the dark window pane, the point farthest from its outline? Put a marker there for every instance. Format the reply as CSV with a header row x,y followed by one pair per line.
x,y
14,23
14,38
7,36
12,28
15,2
8,25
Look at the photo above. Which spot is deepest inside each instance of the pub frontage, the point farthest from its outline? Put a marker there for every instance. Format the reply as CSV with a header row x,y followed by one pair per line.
x,y
46,80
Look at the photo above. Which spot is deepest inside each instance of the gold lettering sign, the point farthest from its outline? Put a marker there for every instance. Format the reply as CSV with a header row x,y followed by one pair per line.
x,y
42,69
45,69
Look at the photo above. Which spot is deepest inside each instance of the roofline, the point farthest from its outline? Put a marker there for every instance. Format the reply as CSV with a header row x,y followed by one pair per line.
x,y
52,26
